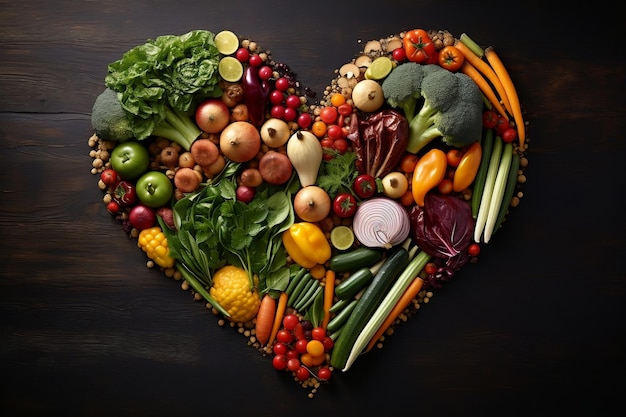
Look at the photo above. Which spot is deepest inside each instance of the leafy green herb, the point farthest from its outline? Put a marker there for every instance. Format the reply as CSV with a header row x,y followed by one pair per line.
x,y
213,229
338,173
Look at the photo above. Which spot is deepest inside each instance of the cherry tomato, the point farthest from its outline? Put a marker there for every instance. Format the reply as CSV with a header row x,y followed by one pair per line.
x,y
242,54
473,249
265,72
345,109
302,374
365,186
509,135
113,207
328,343
109,177
501,125
280,348
290,114
304,120
278,111
430,268
298,331
276,97
315,348
255,60
293,353
292,101
399,54
335,132
319,128
281,84
293,364
340,145
408,162
300,345
329,115
451,58
327,143
324,373
344,205
290,321
445,186
284,336
280,362
490,119
318,333
454,157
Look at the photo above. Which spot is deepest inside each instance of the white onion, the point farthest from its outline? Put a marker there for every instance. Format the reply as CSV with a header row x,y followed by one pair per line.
x,y
381,222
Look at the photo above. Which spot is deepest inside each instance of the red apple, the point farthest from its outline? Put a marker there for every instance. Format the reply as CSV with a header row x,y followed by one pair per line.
x,y
212,115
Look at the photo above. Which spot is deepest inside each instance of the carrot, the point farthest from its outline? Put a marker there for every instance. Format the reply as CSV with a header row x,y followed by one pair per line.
x,y
499,68
469,70
278,317
329,295
265,319
407,296
483,67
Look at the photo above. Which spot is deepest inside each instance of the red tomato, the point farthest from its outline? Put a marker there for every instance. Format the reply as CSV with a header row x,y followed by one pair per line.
x,y
509,135
473,249
113,207
280,362
344,205
345,109
340,145
399,54
284,336
501,125
324,373
109,177
281,84
365,186
318,333
418,46
290,321
329,115
490,119
451,58
335,132
454,157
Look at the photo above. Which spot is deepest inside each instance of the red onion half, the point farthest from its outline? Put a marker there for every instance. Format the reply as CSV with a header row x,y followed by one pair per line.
x,y
381,222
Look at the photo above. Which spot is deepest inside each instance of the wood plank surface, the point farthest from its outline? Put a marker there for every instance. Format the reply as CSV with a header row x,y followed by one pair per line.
x,y
536,327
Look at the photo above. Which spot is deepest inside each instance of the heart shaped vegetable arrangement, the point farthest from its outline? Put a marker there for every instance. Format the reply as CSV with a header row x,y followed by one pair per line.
x,y
314,228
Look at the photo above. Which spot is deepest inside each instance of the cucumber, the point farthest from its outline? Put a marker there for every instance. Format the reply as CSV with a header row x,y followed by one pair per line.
x,y
336,322
367,304
355,259
356,281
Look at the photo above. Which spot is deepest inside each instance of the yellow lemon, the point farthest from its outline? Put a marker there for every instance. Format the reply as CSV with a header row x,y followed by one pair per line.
x,y
230,69
342,237
379,68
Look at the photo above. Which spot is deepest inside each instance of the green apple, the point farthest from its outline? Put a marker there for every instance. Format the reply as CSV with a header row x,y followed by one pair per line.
x,y
154,189
130,159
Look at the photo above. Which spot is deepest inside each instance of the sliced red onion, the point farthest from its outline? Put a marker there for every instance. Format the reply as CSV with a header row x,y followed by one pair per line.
x,y
381,222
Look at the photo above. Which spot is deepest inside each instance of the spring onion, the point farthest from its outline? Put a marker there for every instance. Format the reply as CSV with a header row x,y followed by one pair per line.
x,y
498,191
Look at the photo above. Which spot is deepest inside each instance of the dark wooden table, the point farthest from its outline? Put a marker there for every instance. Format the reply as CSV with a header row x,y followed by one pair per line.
x,y
535,328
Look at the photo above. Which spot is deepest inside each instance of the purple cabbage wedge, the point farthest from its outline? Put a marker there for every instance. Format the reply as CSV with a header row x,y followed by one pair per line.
x,y
443,228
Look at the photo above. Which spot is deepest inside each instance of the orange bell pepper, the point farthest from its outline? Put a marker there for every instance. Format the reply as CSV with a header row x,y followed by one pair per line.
x,y
430,170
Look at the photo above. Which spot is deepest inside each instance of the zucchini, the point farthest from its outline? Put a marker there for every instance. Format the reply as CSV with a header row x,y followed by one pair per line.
x,y
355,259
367,304
339,305
481,175
340,318
356,281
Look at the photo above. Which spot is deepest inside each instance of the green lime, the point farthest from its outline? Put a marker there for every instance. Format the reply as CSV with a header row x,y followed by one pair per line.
x,y
226,42
342,237
230,69
379,68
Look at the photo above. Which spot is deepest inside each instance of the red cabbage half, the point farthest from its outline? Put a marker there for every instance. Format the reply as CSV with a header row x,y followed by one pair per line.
x,y
444,229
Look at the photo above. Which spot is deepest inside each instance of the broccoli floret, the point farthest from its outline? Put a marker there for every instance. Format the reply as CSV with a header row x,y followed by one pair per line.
x,y
401,88
108,119
452,110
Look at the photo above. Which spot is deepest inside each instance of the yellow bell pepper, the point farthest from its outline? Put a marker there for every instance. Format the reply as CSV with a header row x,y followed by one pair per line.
x,y
467,169
154,243
295,252
311,240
